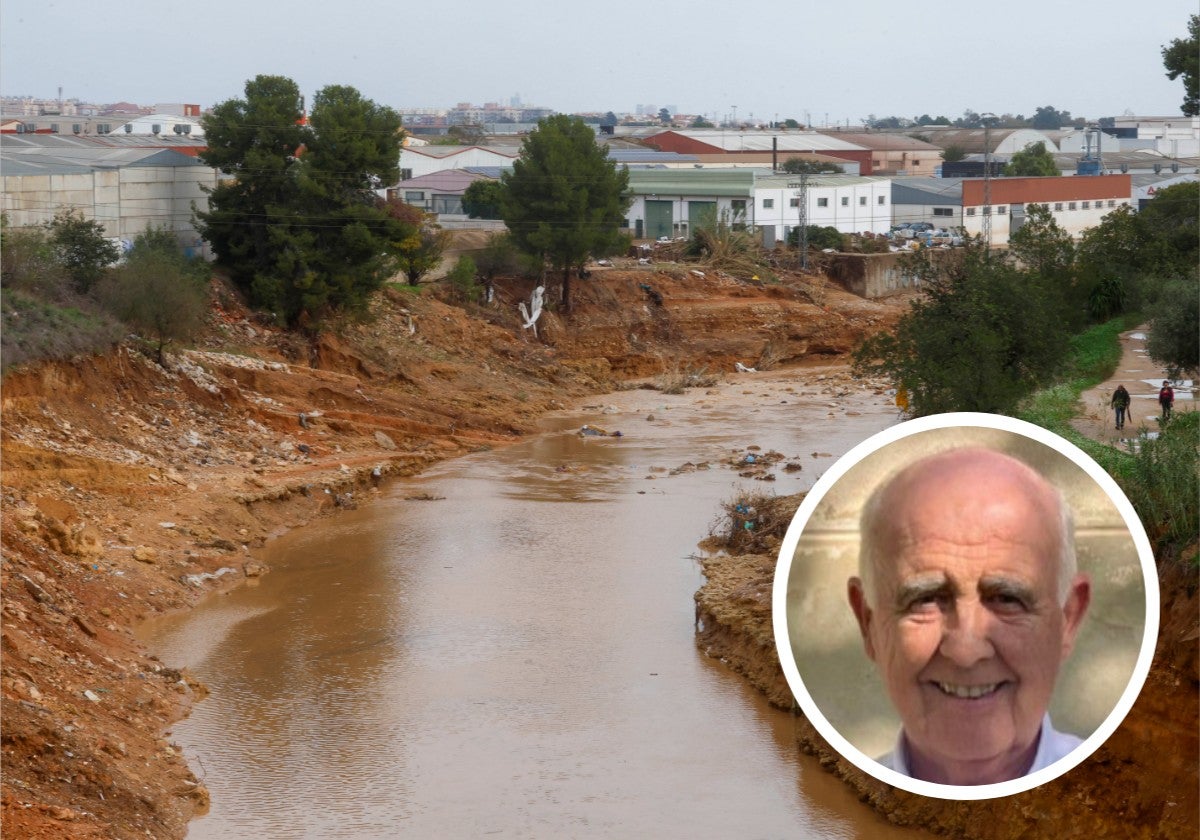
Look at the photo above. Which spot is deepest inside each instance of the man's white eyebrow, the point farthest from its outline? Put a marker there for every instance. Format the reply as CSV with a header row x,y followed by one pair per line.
x,y
997,585
921,587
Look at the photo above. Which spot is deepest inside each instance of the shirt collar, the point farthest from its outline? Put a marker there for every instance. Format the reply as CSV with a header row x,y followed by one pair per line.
x,y
1044,756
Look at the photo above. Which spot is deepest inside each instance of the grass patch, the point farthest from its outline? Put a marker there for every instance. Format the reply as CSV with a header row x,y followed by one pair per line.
x,y
33,330
1095,354
1161,476
1162,479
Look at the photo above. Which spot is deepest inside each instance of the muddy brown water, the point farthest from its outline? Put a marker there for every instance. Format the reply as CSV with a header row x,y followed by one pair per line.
x,y
517,658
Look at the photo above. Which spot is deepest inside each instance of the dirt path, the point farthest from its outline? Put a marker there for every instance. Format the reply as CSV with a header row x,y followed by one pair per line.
x,y
1142,378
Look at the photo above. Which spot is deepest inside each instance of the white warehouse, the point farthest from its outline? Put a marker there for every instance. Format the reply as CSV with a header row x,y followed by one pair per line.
x,y
671,202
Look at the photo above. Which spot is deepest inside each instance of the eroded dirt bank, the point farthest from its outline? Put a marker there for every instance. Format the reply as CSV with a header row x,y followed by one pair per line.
x,y
129,490
1143,783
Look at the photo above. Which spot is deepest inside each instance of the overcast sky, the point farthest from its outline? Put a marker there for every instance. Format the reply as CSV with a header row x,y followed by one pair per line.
x,y
814,62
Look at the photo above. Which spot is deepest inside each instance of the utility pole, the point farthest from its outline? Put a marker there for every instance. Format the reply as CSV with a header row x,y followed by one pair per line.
x,y
988,120
802,220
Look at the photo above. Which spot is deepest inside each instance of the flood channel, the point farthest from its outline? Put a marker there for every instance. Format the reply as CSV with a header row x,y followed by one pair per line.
x,y
513,655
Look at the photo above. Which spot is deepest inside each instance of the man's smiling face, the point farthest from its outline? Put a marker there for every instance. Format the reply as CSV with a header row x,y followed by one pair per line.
x,y
965,620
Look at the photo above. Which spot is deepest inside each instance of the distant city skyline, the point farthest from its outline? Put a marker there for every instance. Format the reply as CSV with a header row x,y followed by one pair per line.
x,y
759,65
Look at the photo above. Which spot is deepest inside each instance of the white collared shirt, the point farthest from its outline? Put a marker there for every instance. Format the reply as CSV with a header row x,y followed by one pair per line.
x,y
1052,745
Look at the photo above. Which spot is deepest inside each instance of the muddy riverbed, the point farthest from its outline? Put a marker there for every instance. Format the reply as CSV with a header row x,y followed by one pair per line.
x,y
505,646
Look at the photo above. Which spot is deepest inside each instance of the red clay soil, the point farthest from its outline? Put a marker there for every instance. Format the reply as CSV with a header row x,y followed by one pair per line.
x,y
129,490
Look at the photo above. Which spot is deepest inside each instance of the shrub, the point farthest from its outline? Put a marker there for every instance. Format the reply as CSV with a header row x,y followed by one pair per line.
x,y
462,280
29,262
82,248
156,295
1163,481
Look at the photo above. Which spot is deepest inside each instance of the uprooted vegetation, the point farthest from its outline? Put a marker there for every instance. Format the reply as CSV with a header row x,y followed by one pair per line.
x,y
754,523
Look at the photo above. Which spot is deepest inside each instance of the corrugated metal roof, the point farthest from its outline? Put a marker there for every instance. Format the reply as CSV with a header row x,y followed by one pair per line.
x,y
45,161
493,172
629,155
767,178
101,141
1163,180
738,183
761,141
927,190
27,166
449,151
883,141
448,180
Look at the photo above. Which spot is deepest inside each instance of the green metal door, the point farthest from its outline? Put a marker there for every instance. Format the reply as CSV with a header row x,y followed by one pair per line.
x,y
701,214
658,219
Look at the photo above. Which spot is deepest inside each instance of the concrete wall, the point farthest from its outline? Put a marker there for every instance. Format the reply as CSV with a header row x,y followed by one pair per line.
x,y
125,200
870,275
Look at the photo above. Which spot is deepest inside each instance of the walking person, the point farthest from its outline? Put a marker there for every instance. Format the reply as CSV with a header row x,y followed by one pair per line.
x,y
1166,399
1120,404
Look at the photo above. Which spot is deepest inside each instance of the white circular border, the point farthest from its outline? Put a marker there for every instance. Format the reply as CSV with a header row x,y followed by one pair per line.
x,y
788,549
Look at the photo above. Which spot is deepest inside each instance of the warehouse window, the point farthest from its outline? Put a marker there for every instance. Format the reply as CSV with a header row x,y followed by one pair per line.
x,y
768,203
942,211
1071,206
1058,207
794,202
845,201
882,199
1087,205
862,201
970,211
822,202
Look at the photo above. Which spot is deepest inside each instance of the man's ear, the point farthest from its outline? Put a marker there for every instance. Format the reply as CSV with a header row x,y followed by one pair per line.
x,y
1075,608
862,612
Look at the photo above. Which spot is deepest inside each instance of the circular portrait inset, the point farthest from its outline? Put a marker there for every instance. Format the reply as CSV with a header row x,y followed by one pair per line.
x,y
965,606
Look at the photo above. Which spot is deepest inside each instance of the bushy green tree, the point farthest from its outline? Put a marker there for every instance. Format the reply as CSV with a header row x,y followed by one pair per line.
x,y
983,336
1174,329
1042,246
1049,118
481,200
700,122
1033,160
298,225
1182,58
81,247
800,166
564,200
953,153
1123,261
1171,226
1110,260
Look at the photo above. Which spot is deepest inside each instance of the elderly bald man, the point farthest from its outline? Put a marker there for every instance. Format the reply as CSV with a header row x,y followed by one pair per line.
x,y
968,601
